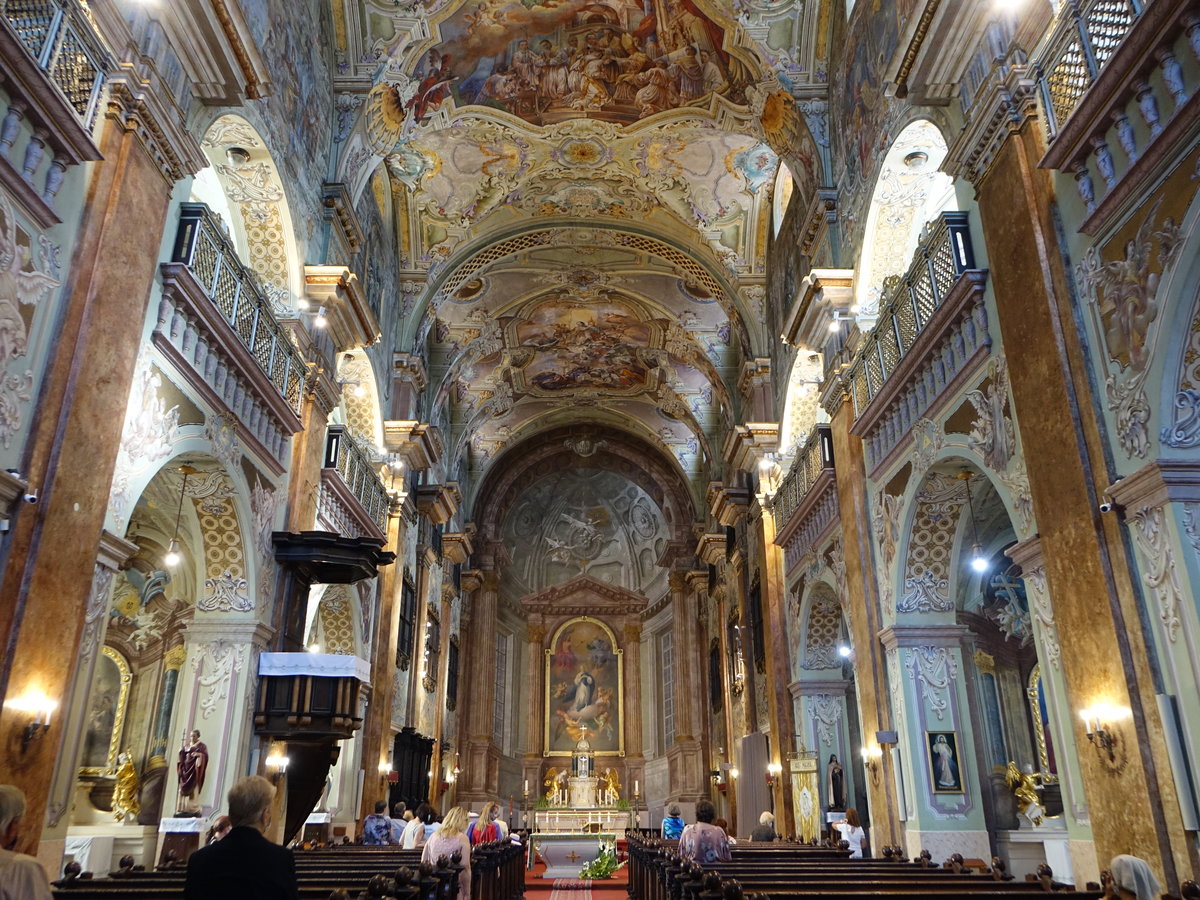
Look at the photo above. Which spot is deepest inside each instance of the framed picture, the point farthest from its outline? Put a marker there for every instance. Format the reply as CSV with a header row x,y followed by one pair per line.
x,y
945,774
584,689
107,701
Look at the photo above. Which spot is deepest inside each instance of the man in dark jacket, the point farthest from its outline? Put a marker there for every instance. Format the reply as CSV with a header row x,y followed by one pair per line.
x,y
244,865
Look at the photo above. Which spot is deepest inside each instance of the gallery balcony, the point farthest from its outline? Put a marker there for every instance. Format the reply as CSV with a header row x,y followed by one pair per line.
x,y
806,501
352,497
932,332
1118,88
217,326
53,69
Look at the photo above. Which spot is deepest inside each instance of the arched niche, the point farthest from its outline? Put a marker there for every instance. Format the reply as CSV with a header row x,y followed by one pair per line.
x,y
909,192
243,186
802,408
360,408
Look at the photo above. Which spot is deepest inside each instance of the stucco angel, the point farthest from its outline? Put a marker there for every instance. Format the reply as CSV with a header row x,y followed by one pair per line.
x,y
556,781
21,284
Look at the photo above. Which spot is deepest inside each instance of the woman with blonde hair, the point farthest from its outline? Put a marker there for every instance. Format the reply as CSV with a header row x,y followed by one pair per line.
x,y
484,830
451,836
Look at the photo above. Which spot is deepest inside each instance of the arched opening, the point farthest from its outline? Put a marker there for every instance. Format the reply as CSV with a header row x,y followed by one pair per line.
x,y
909,192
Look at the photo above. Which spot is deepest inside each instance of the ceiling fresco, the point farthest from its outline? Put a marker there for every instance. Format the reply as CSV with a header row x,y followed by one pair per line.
x,y
584,521
586,187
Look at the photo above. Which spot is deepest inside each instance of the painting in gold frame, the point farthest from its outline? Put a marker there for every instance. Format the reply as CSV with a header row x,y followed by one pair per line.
x,y
584,681
107,703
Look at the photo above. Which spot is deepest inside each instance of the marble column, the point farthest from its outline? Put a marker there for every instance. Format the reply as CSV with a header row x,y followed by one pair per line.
x,y
634,751
535,655
46,578
377,734
479,780
689,777
72,715
778,674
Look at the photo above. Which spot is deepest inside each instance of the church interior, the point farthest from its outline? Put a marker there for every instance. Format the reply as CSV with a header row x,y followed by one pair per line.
x,y
598,405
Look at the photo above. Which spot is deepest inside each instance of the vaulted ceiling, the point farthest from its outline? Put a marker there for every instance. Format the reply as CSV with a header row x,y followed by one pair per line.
x,y
585,185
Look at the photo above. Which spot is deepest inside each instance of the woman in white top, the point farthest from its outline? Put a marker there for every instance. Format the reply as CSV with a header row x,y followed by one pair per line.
x,y
852,833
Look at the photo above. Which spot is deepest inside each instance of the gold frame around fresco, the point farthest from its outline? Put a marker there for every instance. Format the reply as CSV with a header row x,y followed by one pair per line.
x,y
114,741
619,653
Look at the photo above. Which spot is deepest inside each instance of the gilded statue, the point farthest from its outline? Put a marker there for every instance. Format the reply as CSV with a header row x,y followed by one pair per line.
x,y
1024,786
125,795
555,778
611,782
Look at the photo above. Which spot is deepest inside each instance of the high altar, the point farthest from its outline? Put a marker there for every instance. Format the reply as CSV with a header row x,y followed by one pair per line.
x,y
583,815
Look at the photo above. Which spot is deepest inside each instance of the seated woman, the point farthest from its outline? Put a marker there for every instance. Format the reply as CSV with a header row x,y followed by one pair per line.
x,y
702,840
765,829
672,825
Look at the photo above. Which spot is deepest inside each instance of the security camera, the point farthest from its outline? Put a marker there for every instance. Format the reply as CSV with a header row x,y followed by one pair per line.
x,y
1106,506
31,497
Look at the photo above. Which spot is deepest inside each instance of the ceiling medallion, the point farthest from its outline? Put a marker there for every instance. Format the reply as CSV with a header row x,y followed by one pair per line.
x,y
578,152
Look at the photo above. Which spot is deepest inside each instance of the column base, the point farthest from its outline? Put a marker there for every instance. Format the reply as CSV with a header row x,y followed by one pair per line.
x,y
942,844
688,775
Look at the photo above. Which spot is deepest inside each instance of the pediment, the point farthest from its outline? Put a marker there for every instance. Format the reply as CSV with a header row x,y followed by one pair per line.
x,y
584,595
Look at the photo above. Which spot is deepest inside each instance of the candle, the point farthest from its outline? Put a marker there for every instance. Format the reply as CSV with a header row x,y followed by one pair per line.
x,y
635,787
527,785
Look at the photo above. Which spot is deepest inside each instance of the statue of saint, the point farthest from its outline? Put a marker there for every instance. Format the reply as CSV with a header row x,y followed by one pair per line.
x,y
835,783
125,794
192,764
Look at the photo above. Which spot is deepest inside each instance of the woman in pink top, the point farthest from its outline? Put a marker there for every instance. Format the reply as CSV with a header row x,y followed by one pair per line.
x,y
702,840
443,842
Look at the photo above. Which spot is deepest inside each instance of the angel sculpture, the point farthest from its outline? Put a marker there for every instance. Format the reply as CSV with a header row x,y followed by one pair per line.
x,y
1025,789
554,781
612,783
21,285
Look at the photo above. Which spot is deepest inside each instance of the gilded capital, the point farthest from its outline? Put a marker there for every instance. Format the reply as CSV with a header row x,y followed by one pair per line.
x,y
633,632
536,633
678,582
173,658
491,580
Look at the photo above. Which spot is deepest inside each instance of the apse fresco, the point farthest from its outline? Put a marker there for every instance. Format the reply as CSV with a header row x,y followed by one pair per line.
x,y
592,346
551,60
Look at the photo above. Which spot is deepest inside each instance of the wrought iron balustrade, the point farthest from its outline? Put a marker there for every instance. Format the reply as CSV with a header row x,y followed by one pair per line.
x,y
60,37
910,302
1085,39
359,473
811,460
202,246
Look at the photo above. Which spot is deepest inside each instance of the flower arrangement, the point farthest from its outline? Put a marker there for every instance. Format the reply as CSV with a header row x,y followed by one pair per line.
x,y
603,866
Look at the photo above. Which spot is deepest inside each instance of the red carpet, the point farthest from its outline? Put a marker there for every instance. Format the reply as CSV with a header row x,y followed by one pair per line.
x,y
539,888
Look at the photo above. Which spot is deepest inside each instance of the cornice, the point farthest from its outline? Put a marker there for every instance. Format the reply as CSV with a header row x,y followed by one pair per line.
x,y
1158,482
923,636
1007,100
136,105
822,294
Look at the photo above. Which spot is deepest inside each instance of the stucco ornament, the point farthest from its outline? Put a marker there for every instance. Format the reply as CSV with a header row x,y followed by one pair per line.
x,y
924,594
221,431
1043,612
992,434
216,664
226,593
1160,574
928,439
254,187
21,286
151,431
1124,292
933,669
826,711
264,501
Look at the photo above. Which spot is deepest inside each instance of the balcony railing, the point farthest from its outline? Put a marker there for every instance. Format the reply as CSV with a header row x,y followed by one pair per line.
x,y
62,40
1087,36
201,245
911,301
358,472
811,460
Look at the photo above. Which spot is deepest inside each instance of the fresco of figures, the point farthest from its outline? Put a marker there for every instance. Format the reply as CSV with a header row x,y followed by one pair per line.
x,y
618,60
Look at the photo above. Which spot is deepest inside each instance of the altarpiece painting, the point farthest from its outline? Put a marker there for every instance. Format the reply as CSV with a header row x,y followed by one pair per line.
x,y
584,694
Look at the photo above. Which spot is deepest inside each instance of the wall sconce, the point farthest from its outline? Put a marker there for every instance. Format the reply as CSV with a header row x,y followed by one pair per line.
x,y
733,774
384,768
277,764
41,707
773,772
1100,724
871,757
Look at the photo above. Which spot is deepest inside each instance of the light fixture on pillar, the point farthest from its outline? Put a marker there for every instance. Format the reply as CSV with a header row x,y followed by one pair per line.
x,y
277,763
41,708
773,772
173,556
1100,723
844,651
979,562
